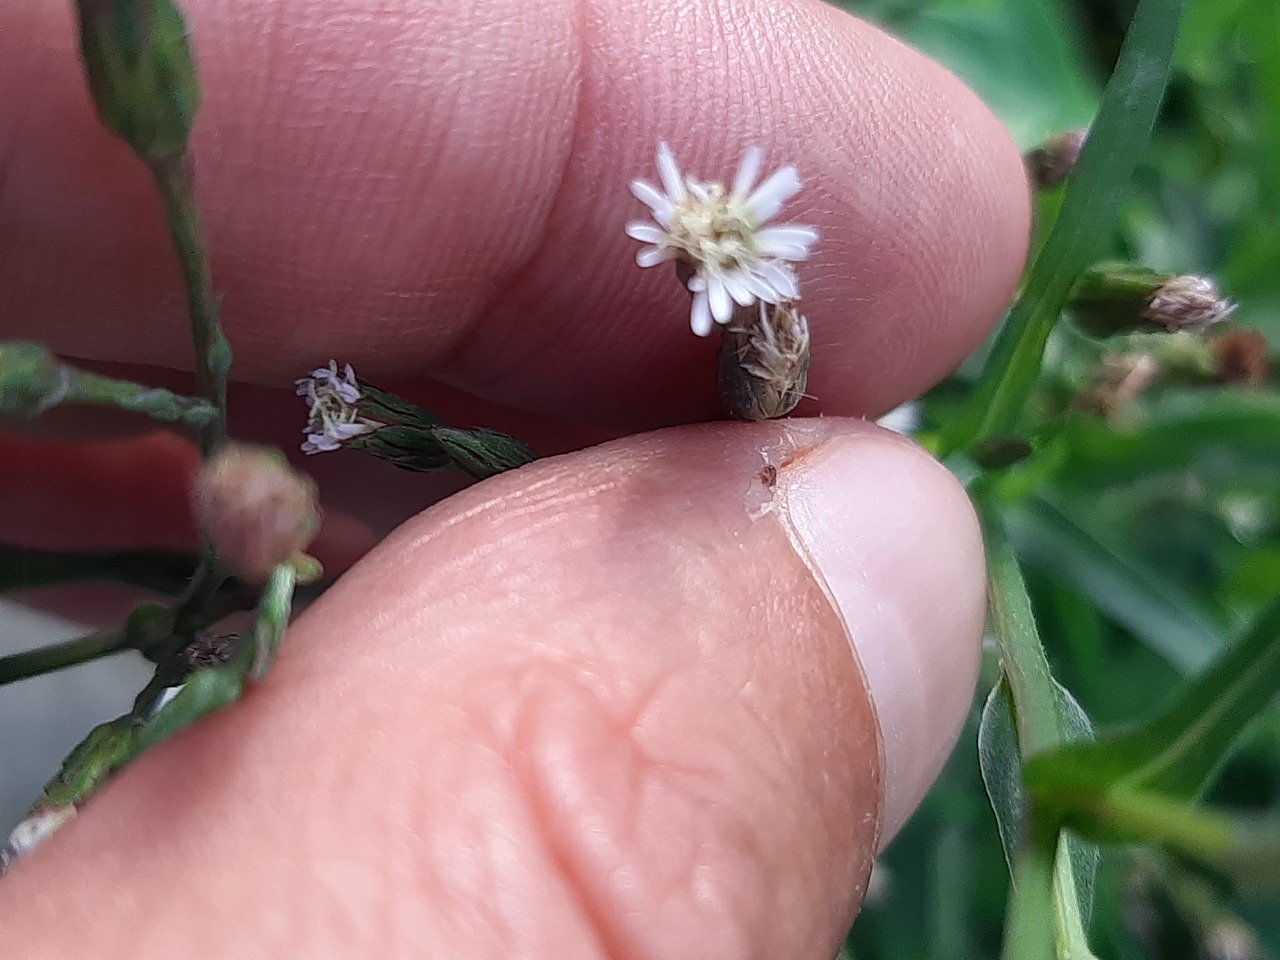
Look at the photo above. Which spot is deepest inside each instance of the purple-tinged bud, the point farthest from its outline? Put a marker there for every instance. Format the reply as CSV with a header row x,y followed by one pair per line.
x,y
1188,303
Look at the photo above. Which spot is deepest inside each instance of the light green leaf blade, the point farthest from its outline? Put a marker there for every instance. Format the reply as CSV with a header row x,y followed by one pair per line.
x,y
1178,752
1118,137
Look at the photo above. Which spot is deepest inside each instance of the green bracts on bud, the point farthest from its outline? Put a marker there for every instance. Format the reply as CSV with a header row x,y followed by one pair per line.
x,y
482,452
424,448
141,73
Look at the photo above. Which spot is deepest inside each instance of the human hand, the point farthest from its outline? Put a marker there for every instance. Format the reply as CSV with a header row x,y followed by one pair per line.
x,y
605,705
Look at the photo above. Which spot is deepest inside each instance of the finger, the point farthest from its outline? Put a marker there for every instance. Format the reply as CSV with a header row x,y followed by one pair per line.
x,y
606,705
439,190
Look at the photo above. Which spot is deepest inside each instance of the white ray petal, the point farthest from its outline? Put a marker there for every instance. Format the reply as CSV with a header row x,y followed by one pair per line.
x,y
700,316
769,197
654,199
736,283
718,296
646,231
669,170
650,256
782,280
748,170
791,234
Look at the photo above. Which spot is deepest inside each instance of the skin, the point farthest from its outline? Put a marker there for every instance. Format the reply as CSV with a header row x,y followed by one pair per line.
x,y
605,706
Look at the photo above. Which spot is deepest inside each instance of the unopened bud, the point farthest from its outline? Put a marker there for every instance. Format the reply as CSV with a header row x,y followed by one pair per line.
x,y
141,73
1188,303
1241,357
1051,163
1115,298
257,510
763,364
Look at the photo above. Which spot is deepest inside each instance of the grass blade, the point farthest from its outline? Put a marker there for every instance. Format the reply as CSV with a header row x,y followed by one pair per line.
x,y
1117,139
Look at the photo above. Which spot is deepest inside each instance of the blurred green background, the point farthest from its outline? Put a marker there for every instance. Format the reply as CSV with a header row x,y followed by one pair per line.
x,y
1145,555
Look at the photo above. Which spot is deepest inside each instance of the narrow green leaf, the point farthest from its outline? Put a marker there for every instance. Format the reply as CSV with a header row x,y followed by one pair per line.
x,y
1000,762
1117,139
1058,539
1177,753
1242,849
1028,712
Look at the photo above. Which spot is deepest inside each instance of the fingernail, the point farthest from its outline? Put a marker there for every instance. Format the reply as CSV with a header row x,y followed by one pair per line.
x,y
891,537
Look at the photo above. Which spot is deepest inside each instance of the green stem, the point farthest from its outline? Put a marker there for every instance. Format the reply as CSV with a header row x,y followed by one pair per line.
x,y
33,663
212,352
1029,927
158,571
93,389
1022,656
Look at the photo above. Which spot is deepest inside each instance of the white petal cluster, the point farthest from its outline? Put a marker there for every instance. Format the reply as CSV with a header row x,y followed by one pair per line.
x,y
333,416
720,234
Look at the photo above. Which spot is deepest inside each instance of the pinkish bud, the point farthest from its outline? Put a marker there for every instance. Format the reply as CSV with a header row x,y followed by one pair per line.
x,y
1052,162
257,510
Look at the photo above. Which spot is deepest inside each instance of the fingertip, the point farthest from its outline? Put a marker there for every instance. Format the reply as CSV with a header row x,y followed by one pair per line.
x,y
894,541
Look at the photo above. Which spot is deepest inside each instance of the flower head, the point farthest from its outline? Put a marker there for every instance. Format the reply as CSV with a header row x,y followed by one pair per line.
x,y
720,235
1188,303
334,415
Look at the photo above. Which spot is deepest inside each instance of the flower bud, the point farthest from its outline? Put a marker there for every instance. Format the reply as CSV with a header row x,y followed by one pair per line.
x,y
1188,303
257,510
1115,298
141,73
1049,164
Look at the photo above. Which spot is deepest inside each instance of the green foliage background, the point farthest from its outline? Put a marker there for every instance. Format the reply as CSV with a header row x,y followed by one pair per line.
x,y
1156,545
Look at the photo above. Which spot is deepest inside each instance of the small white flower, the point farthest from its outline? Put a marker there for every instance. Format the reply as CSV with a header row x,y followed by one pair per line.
x,y
333,417
721,235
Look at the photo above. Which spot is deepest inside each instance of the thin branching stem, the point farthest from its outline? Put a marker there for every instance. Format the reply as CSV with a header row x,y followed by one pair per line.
x,y
33,663
174,178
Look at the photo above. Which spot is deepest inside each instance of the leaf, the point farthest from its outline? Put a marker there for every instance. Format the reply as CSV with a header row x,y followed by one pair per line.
x,y
1177,753
1065,545
1000,761
1022,57
1027,712
1118,137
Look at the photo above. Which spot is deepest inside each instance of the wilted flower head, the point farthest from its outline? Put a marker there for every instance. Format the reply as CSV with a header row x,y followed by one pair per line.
x,y
763,363
334,416
1188,303
720,235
